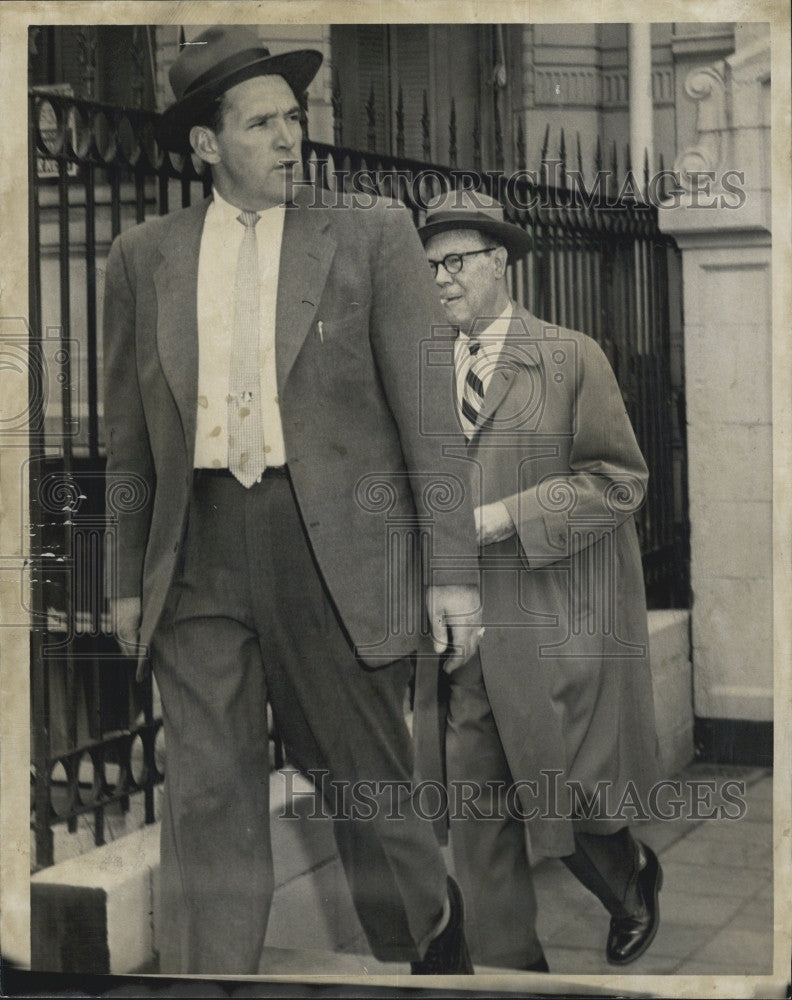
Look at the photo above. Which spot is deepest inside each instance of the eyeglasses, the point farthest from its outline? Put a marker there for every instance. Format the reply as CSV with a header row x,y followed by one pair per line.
x,y
453,262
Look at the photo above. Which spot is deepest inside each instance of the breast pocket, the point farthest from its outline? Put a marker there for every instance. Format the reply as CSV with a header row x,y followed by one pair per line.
x,y
342,348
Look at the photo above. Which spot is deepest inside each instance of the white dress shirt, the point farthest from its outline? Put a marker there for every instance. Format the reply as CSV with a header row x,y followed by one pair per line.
x,y
491,339
220,242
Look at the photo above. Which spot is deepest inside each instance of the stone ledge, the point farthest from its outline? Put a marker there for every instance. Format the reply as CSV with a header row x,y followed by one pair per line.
x,y
95,913
672,683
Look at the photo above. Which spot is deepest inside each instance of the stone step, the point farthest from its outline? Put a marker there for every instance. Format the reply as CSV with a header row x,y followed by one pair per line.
x,y
98,912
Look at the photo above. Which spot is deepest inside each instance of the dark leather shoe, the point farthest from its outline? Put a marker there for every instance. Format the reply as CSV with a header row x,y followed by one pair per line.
x,y
540,965
447,954
631,935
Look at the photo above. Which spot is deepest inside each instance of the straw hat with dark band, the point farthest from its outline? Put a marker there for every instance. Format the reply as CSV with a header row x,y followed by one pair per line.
x,y
473,210
216,60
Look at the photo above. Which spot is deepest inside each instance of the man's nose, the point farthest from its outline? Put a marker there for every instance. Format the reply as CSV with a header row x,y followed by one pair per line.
x,y
442,277
286,137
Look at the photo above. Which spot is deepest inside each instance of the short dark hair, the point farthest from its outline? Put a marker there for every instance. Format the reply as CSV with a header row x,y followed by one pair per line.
x,y
212,114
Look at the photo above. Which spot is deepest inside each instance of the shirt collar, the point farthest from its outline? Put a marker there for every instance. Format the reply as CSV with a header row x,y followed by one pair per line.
x,y
493,335
228,213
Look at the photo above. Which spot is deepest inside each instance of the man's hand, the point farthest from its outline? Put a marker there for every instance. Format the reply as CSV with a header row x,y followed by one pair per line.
x,y
455,619
126,611
493,523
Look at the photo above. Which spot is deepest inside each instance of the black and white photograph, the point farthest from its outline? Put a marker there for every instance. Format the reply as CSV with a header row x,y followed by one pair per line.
x,y
394,511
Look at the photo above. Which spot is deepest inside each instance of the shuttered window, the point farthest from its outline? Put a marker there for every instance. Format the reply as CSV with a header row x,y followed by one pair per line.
x,y
372,47
374,60
410,71
122,68
360,71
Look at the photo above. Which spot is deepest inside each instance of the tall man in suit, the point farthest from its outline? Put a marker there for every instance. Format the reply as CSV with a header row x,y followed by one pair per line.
x,y
558,697
261,366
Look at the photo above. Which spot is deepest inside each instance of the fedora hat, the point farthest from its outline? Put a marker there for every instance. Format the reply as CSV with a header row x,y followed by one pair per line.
x,y
216,60
466,209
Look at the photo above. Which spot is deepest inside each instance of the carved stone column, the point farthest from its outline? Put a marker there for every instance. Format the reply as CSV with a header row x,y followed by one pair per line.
x,y
721,221
641,103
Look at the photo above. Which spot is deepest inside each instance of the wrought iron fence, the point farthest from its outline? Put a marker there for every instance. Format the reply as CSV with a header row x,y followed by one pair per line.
x,y
598,264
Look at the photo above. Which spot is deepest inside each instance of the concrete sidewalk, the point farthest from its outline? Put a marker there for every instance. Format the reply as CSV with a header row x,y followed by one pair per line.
x,y
716,902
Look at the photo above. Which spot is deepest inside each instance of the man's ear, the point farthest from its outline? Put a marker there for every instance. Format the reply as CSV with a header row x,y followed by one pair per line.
x,y
204,142
501,258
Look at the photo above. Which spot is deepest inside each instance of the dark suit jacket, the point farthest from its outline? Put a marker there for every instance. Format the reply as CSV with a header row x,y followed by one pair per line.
x,y
351,401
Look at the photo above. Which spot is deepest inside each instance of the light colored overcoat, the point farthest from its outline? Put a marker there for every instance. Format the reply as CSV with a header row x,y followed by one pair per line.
x,y
565,655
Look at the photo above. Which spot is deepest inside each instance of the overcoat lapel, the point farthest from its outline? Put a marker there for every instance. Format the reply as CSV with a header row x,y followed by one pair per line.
x,y
517,352
176,285
499,385
307,252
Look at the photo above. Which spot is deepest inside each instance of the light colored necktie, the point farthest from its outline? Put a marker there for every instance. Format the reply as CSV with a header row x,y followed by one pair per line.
x,y
471,398
246,456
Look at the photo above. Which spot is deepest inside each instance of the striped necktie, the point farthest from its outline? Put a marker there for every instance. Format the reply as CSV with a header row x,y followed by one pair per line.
x,y
471,398
246,456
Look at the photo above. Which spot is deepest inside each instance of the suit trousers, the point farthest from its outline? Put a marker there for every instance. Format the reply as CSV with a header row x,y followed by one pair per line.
x,y
489,839
248,620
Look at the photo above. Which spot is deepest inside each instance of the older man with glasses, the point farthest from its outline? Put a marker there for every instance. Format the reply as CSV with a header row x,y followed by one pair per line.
x,y
550,726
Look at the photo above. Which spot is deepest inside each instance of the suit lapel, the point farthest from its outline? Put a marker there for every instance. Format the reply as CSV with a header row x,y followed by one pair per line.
x,y
306,255
176,285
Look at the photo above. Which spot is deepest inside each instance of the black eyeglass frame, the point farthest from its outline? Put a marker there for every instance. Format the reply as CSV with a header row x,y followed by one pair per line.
x,y
434,264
